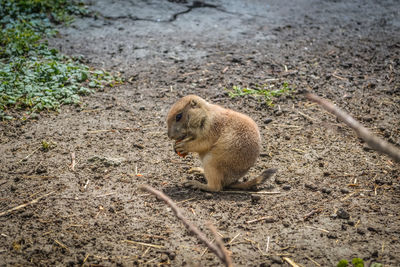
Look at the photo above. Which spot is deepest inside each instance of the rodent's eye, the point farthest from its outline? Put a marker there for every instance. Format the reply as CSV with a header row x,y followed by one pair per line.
x,y
178,117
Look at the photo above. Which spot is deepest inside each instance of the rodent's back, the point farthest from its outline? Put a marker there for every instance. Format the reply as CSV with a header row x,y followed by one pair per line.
x,y
239,141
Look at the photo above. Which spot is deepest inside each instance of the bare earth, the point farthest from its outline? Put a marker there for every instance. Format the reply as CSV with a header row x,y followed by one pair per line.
x,y
338,199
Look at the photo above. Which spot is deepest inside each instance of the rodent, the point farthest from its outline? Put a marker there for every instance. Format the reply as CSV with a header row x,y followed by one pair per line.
x,y
228,142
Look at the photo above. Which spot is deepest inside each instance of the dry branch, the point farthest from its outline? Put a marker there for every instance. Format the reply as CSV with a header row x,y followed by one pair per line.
x,y
218,249
373,141
25,204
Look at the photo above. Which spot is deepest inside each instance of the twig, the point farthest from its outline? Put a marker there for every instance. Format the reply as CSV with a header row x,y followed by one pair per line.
x,y
316,263
373,141
216,249
143,244
316,228
227,259
24,205
61,244
266,250
33,152
73,163
291,262
251,192
260,219
311,213
230,242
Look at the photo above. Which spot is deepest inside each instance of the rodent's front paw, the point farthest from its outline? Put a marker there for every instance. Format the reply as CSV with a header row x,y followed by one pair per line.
x,y
179,148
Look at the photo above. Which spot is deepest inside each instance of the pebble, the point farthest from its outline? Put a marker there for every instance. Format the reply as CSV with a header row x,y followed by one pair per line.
x,y
142,108
279,180
360,231
345,190
276,259
255,199
268,120
332,236
286,187
311,187
326,190
342,214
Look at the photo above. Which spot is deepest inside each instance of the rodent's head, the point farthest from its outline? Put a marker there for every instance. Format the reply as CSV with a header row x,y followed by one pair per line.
x,y
179,116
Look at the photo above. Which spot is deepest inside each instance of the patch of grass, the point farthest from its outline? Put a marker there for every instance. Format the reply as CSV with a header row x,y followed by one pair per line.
x,y
34,77
266,91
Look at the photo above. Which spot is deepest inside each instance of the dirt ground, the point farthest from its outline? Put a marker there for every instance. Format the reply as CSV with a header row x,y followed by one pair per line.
x,y
338,198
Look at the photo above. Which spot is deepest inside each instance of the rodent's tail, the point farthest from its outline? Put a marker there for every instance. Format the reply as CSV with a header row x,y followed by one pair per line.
x,y
256,181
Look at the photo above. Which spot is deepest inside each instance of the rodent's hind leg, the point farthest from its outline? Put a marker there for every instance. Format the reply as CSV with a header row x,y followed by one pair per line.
x,y
197,170
204,187
214,181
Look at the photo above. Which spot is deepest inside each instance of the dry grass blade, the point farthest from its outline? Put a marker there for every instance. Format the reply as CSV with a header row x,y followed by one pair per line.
x,y
373,141
25,204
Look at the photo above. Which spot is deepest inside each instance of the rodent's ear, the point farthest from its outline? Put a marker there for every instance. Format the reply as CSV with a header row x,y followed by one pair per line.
x,y
193,103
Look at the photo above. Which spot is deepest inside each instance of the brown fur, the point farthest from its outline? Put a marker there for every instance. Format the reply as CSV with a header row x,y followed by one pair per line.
x,y
227,142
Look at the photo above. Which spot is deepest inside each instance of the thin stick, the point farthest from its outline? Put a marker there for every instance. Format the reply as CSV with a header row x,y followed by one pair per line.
x,y
266,250
259,219
373,141
291,262
316,228
227,259
61,244
251,192
193,229
142,244
73,163
316,263
24,205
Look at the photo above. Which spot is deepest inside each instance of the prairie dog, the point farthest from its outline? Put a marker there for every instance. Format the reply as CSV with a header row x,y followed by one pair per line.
x,y
227,142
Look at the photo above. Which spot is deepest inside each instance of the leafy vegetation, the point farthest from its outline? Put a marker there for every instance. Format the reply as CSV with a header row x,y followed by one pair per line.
x,y
34,77
266,91
356,262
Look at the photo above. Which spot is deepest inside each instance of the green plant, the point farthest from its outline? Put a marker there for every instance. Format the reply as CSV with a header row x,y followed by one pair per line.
x,y
265,91
34,77
342,263
357,262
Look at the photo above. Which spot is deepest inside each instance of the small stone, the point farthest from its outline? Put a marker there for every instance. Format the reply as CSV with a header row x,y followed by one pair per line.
x,y
372,229
164,257
326,190
278,113
142,108
286,224
276,259
279,180
268,120
345,190
255,199
311,187
332,236
360,231
286,187
351,223
342,214
208,196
